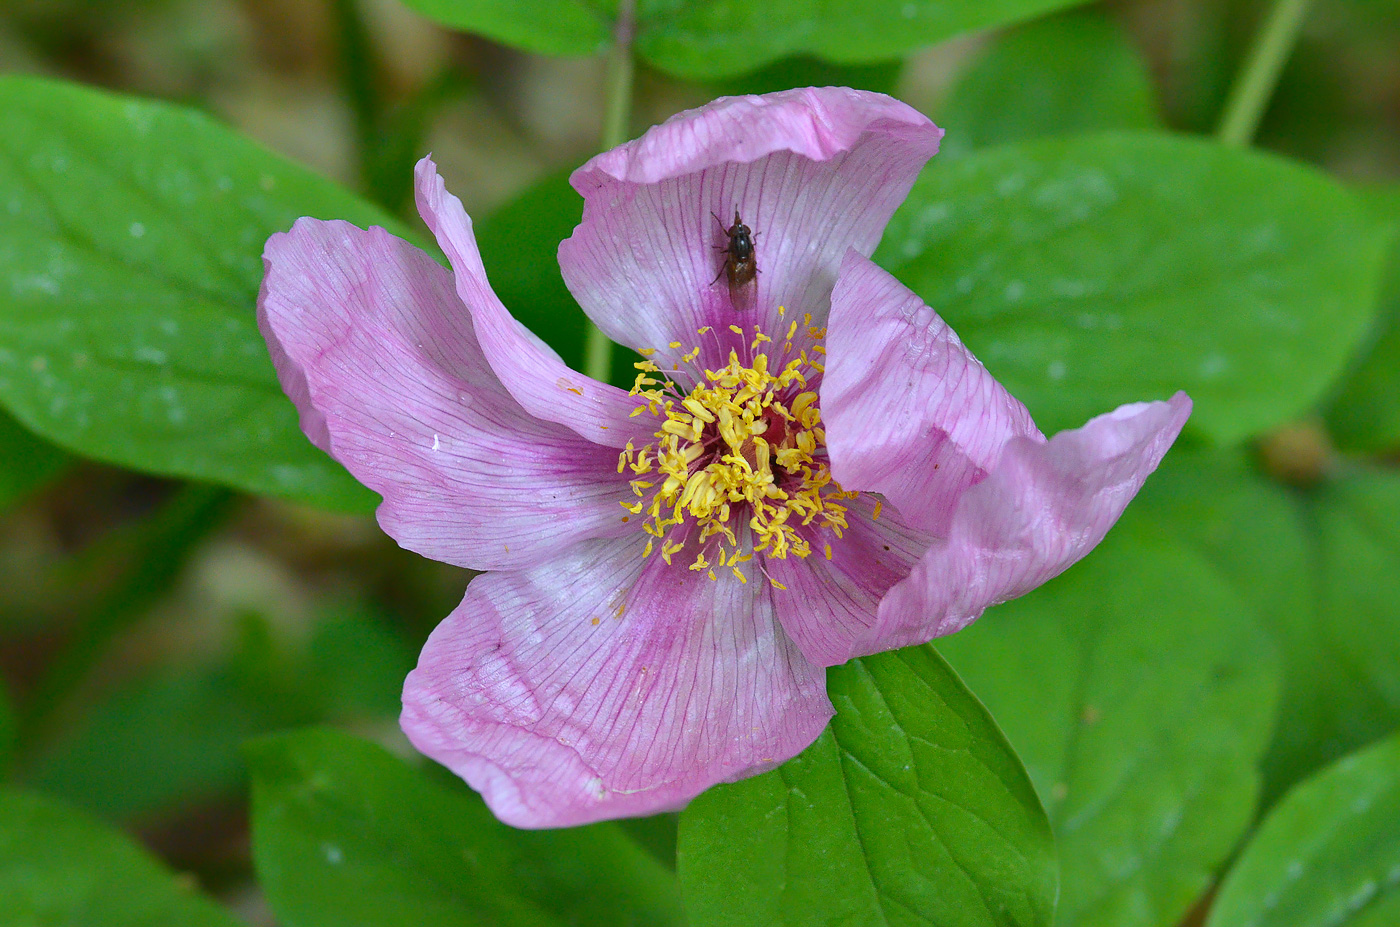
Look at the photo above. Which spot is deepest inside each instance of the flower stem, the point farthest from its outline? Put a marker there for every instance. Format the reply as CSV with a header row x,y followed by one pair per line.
x,y
1252,89
358,74
597,351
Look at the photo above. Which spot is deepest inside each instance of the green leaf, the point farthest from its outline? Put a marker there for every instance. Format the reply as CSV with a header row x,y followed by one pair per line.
x,y
546,27
1077,72
1140,695
26,463
804,71
58,866
171,738
1322,570
709,39
130,255
1096,270
344,833
159,744
1365,413
1328,856
1347,659
910,809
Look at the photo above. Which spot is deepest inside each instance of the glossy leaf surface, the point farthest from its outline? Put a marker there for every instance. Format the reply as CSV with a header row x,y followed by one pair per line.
x,y
1095,270
131,255
1365,413
910,809
1077,72
548,27
716,38
58,866
344,833
1328,855
1140,694
1322,569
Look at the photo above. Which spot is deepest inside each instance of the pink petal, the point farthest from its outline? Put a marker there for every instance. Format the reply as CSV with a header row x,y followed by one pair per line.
x,y
373,346
909,412
812,172
830,603
532,372
1044,507
561,712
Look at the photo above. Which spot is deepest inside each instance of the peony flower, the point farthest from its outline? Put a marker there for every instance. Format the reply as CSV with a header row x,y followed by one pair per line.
x,y
810,468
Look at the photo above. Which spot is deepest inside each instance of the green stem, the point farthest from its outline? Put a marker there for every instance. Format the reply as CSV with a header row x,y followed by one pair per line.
x,y
1249,97
359,76
597,350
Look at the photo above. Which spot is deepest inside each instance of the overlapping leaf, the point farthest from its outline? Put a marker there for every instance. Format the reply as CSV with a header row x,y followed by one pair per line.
x,y
130,256
344,833
1328,855
910,809
1365,413
58,866
1076,72
1107,268
708,39
1322,570
1140,694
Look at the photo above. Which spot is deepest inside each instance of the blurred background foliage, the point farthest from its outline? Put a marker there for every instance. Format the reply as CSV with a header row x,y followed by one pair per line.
x,y
151,626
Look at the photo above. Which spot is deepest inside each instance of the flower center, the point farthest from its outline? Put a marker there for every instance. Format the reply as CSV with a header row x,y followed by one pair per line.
x,y
739,464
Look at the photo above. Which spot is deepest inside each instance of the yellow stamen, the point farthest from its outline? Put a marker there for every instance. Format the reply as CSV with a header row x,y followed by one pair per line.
x,y
743,452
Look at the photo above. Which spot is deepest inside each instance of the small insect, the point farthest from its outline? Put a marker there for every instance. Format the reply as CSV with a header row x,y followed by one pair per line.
x,y
740,263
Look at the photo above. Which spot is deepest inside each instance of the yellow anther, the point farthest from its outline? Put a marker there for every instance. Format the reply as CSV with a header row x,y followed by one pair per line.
x,y
742,450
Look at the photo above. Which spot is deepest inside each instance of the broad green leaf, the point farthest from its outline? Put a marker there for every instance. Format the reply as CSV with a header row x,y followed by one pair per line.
x,y
547,27
708,39
1347,659
1365,413
58,866
1096,270
26,462
910,809
161,743
1076,72
1328,855
130,265
1140,694
805,71
171,739
1322,570
344,833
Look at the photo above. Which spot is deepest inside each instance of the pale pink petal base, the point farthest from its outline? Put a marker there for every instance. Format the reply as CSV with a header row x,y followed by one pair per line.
x,y
533,373
812,172
600,685
1044,507
373,346
830,603
909,412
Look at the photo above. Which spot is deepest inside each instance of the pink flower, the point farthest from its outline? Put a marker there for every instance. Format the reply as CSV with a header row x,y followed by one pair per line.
x,y
811,468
